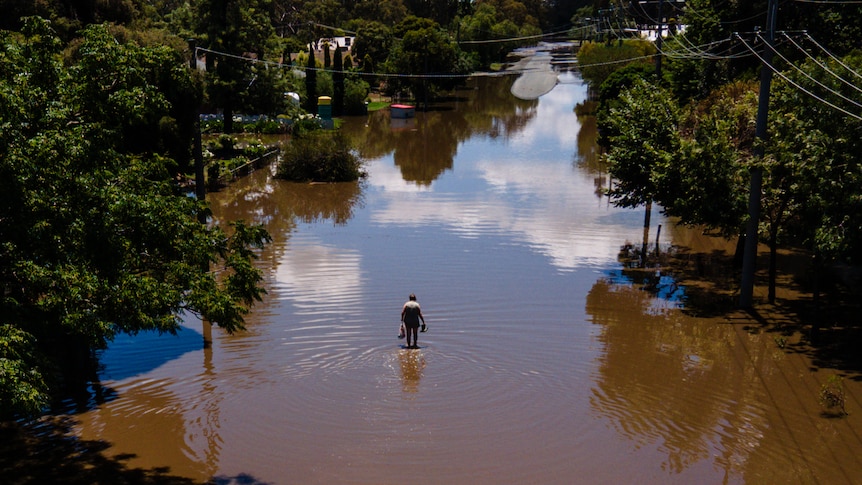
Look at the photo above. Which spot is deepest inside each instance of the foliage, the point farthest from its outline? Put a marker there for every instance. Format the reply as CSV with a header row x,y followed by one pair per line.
x,y
597,60
817,171
264,94
832,395
387,13
235,28
97,239
355,94
644,143
425,53
22,386
613,86
325,86
693,77
262,125
311,90
319,156
337,84
486,23
711,179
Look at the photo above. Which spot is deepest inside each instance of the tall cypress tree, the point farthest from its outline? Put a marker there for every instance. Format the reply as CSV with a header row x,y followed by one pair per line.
x,y
311,82
338,83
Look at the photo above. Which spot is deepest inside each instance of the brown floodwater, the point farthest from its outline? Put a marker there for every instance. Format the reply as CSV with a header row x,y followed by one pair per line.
x,y
549,357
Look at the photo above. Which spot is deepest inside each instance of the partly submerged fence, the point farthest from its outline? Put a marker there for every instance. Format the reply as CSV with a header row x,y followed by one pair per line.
x,y
248,167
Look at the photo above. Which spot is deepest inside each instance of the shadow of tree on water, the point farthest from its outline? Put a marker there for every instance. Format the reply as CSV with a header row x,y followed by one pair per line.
x,y
49,453
829,333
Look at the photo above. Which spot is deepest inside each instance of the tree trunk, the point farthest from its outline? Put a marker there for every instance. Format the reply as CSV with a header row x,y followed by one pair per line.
x,y
773,264
645,246
228,117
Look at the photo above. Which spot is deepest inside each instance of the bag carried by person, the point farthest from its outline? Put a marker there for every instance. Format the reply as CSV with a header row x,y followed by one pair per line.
x,y
401,332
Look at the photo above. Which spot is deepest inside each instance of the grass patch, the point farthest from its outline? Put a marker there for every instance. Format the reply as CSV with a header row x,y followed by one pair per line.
x,y
377,105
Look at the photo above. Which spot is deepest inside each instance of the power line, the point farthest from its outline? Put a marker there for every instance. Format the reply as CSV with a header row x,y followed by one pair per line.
x,y
831,2
507,72
824,66
698,52
832,56
810,77
319,69
796,85
512,39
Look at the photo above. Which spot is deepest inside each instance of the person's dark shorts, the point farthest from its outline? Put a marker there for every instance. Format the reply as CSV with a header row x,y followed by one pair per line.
x,y
409,324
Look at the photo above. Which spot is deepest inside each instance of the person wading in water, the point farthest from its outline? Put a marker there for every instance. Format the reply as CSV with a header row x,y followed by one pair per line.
x,y
411,314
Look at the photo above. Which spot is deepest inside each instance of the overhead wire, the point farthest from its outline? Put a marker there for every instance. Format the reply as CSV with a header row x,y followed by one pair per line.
x,y
823,65
698,52
795,84
513,39
832,2
395,75
323,69
832,56
805,74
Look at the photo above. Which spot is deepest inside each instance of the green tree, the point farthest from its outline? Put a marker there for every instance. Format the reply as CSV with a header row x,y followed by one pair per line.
x,y
693,77
388,13
355,93
598,60
439,11
813,174
482,30
610,90
233,29
311,82
337,84
320,156
373,43
710,184
644,145
427,55
97,239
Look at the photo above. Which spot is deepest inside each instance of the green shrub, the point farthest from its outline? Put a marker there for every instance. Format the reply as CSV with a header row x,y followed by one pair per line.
x,y
355,94
597,61
254,150
266,127
305,124
320,157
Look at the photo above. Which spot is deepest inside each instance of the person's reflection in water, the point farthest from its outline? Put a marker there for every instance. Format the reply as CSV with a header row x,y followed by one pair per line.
x,y
412,366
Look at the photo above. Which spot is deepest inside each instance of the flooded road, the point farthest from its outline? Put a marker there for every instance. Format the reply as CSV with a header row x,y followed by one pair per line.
x,y
546,359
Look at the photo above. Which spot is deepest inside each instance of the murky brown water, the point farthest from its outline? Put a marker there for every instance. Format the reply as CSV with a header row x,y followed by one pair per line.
x,y
546,361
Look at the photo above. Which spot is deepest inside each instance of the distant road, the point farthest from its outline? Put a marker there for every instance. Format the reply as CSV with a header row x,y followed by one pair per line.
x,y
538,76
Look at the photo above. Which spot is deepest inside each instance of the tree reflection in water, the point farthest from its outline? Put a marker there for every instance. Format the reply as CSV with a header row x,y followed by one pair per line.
x,y
425,148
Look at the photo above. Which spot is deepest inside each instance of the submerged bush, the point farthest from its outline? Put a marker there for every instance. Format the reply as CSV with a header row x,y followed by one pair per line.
x,y
320,156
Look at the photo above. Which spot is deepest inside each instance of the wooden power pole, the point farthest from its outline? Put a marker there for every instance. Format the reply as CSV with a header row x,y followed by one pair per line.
x,y
749,257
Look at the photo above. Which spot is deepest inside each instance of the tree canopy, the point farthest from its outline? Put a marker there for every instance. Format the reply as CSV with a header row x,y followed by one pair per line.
x,y
810,157
97,237
424,56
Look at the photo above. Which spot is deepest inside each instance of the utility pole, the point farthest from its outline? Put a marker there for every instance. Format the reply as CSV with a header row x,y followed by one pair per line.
x,y
658,39
200,185
749,257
